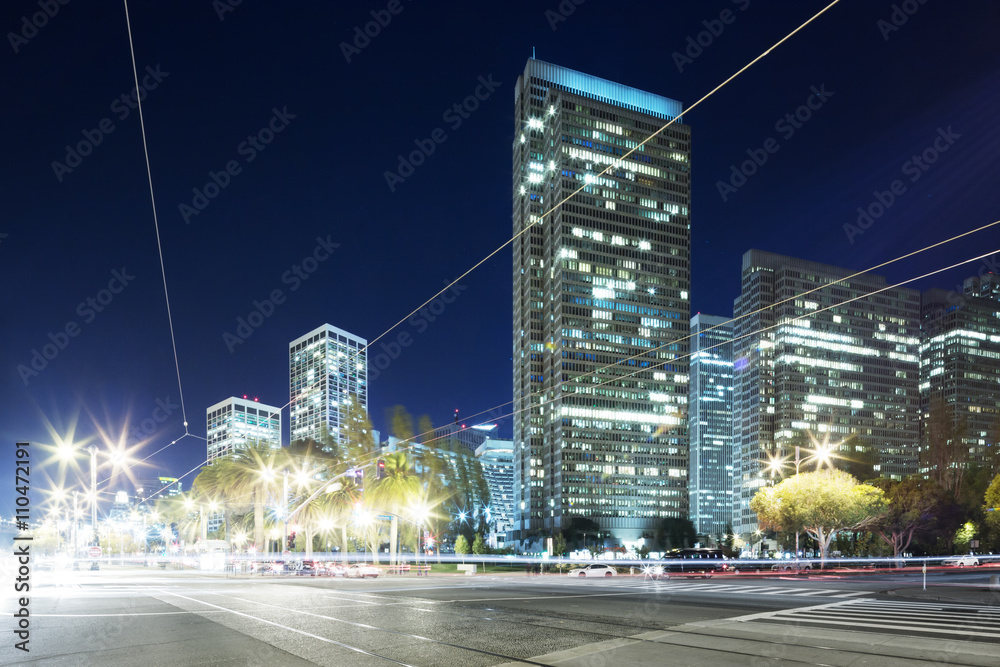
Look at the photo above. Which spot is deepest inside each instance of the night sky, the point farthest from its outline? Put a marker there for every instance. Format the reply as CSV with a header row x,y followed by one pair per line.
x,y
78,246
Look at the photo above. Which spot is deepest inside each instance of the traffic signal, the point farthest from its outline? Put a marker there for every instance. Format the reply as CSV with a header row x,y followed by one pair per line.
x,y
359,479
381,469
291,540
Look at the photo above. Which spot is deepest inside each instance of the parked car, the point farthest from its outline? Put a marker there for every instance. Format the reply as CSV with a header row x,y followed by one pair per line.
x,y
593,570
961,561
362,571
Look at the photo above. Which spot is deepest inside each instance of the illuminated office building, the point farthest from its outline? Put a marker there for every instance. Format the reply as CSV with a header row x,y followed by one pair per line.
x,y
601,305
328,370
236,421
824,368
710,420
960,362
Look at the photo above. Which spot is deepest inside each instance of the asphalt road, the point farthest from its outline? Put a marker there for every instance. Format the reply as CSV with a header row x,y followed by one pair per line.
x,y
120,616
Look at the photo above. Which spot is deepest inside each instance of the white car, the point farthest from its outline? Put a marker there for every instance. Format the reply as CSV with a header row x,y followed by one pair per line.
x,y
361,571
961,561
594,570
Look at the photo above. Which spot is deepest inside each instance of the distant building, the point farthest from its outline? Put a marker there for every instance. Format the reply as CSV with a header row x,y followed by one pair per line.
x,y
960,361
471,436
148,491
497,460
328,370
839,365
602,281
710,420
235,421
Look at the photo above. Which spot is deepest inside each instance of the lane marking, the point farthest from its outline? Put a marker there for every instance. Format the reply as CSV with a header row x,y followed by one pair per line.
x,y
291,629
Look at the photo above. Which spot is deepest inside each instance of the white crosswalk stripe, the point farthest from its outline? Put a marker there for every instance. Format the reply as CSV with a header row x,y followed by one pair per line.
x,y
956,621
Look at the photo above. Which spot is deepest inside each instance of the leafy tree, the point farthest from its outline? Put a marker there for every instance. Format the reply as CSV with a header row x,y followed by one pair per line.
x,y
913,505
461,545
559,544
479,546
819,503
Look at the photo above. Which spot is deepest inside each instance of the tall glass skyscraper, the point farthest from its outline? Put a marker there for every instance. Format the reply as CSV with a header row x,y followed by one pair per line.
x,y
710,419
838,366
960,361
601,304
328,369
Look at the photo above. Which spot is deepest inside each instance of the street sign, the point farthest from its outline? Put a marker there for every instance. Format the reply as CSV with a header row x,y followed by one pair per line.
x,y
94,552
286,554
385,517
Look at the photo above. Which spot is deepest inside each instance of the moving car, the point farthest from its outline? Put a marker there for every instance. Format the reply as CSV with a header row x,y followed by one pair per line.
x,y
362,571
961,561
791,566
695,562
594,570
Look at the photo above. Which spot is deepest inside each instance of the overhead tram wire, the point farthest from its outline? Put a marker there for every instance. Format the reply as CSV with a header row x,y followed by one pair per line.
x,y
156,223
604,171
767,328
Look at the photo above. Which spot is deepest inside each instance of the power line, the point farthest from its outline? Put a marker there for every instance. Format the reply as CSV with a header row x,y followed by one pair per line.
x,y
156,223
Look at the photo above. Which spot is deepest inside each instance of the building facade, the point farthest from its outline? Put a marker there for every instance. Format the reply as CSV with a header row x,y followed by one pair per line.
x,y
236,421
601,304
497,460
328,371
960,362
821,362
710,420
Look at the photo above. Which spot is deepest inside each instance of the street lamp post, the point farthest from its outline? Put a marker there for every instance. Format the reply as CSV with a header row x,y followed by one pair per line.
x,y
93,492
284,511
796,474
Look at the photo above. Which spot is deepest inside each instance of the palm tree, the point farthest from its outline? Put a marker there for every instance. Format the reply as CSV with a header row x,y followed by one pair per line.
x,y
253,471
395,493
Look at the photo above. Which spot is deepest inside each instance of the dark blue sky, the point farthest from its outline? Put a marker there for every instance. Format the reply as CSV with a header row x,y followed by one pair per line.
x,y
887,93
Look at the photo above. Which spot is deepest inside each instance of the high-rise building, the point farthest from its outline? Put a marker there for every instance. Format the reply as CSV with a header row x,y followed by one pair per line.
x,y
236,421
710,421
328,371
601,288
960,362
497,460
835,368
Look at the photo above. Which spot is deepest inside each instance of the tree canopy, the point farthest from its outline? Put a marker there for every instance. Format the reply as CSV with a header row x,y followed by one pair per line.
x,y
819,503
